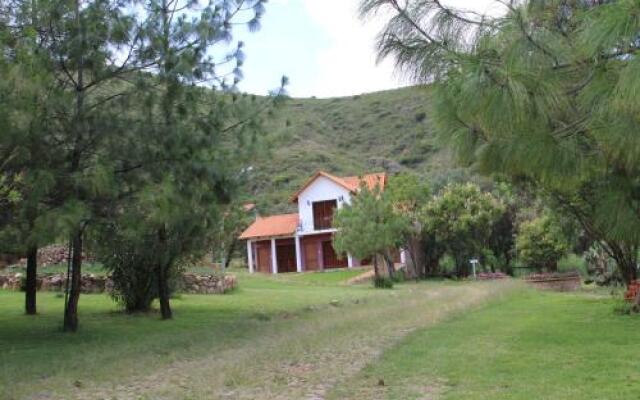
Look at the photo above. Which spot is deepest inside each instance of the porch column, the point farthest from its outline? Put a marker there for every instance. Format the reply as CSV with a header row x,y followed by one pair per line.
x,y
403,256
349,260
274,257
250,255
298,254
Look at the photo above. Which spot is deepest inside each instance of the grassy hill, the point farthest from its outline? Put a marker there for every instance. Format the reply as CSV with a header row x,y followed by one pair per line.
x,y
384,131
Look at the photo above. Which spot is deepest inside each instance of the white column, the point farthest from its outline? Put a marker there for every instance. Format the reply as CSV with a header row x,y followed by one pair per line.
x,y
250,255
349,260
274,257
403,256
298,254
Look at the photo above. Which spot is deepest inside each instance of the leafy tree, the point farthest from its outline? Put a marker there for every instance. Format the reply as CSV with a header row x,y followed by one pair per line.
x,y
369,227
408,195
541,243
235,218
461,218
502,239
541,91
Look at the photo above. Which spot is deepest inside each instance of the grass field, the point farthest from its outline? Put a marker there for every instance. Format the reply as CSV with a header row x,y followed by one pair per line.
x,y
311,336
532,346
215,343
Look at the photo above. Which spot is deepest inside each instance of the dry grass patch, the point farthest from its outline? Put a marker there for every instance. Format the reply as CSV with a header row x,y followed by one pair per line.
x,y
307,355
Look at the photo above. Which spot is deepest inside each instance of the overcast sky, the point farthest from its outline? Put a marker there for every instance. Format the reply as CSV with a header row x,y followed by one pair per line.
x,y
322,46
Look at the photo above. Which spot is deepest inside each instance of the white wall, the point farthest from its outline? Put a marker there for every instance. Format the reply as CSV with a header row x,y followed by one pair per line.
x,y
321,189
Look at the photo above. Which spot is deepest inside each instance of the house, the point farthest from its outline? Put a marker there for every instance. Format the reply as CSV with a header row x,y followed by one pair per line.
x,y
302,241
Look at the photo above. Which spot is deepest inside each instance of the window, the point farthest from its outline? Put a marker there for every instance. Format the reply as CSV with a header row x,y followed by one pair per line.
x,y
323,214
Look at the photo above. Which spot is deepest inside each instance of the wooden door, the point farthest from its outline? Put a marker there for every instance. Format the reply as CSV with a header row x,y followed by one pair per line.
x,y
264,257
331,259
286,255
310,255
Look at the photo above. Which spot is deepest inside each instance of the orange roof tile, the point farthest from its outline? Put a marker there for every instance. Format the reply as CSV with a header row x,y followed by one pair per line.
x,y
351,183
370,180
275,225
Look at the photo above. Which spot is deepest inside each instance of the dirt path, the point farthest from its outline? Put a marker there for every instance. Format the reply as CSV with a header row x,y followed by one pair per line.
x,y
303,356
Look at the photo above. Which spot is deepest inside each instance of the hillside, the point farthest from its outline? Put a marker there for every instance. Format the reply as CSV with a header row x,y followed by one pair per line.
x,y
384,131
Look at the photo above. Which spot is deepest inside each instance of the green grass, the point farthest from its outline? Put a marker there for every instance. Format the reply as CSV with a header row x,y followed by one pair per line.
x,y
329,277
534,345
111,345
217,344
306,335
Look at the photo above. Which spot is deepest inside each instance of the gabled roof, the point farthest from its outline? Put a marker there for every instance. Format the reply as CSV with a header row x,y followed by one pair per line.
x,y
351,183
370,181
275,225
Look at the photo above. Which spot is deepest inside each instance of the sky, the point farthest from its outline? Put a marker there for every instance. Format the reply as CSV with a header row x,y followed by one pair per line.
x,y
324,48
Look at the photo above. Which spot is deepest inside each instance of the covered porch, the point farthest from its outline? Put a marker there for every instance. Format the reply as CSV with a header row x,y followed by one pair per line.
x,y
295,254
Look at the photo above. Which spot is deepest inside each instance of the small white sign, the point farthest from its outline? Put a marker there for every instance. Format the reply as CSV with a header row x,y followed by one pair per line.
x,y
473,262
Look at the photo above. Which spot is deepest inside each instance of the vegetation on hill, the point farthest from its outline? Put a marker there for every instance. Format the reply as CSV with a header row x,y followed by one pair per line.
x,y
385,131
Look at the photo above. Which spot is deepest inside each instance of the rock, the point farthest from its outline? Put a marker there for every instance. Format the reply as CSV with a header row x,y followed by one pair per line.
x,y
91,283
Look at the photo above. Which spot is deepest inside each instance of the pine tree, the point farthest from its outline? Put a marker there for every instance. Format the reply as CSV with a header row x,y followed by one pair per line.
x,y
543,92
181,37
23,145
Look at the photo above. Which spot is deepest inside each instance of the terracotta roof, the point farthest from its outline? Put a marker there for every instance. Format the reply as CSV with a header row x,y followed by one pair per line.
x,y
275,225
370,180
351,183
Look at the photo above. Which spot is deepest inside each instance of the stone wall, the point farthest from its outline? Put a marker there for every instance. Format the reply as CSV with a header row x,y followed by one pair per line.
x,y
191,283
208,284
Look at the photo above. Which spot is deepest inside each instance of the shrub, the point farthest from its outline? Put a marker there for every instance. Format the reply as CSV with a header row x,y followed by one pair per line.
x,y
383,282
132,262
399,276
541,243
134,281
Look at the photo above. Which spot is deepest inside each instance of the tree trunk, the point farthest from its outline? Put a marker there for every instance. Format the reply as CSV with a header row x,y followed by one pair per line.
x,y
232,247
32,280
163,280
71,310
416,258
389,261
163,292
376,273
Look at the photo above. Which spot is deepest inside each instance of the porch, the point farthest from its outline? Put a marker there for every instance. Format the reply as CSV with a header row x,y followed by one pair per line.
x,y
296,254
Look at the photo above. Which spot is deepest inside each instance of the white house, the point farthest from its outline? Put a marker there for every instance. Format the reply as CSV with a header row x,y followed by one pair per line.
x,y
302,241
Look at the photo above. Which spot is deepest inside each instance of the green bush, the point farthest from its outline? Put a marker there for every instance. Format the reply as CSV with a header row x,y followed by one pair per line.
x,y
541,243
132,263
383,282
399,276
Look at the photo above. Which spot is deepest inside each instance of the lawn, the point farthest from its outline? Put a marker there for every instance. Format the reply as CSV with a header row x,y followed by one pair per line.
x,y
246,342
312,336
532,345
